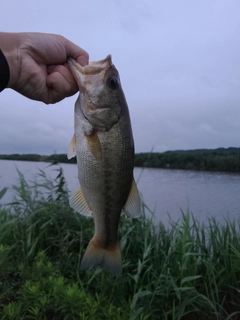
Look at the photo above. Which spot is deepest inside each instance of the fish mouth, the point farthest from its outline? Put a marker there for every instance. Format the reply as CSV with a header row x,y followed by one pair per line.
x,y
91,73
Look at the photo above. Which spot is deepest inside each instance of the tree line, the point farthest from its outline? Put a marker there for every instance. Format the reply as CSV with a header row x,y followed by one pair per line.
x,y
221,159
54,158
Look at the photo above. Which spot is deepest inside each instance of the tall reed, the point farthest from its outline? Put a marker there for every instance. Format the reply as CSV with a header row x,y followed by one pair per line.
x,y
187,270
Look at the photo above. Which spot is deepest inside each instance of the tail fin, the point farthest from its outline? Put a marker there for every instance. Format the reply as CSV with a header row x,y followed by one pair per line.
x,y
109,259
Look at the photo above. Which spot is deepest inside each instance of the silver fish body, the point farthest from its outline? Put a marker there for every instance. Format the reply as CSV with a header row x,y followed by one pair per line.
x,y
104,146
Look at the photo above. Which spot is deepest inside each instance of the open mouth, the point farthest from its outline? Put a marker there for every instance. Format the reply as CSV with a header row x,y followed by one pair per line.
x,y
91,73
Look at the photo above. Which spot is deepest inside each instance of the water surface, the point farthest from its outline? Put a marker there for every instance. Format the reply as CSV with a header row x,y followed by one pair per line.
x,y
165,192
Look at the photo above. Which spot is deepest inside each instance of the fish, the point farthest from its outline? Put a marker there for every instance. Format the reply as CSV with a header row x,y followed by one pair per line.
x,y
104,147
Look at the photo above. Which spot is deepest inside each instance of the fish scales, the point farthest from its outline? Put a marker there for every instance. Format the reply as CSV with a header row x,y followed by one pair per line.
x,y
108,178
104,147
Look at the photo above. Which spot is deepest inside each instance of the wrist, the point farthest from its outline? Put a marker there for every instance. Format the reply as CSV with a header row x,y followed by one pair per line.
x,y
9,45
4,72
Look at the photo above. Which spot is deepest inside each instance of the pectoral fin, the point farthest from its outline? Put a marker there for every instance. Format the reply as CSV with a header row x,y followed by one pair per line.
x,y
78,203
72,148
133,205
94,145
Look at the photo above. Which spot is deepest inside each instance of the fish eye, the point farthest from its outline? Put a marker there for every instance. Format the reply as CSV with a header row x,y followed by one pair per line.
x,y
112,82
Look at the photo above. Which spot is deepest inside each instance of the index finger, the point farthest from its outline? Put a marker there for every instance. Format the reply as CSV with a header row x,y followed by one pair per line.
x,y
76,52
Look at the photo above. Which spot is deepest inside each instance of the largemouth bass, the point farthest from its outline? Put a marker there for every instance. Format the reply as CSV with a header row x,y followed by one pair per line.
x,y
104,147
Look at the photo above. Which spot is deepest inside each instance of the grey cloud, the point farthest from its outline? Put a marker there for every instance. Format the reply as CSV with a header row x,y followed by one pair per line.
x,y
179,64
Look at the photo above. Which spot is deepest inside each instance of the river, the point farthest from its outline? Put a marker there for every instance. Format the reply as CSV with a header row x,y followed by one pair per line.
x,y
165,192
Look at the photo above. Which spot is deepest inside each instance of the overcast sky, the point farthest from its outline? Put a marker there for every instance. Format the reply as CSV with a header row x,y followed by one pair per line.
x,y
179,63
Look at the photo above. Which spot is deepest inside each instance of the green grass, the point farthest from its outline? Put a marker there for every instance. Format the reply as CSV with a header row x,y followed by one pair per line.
x,y
186,271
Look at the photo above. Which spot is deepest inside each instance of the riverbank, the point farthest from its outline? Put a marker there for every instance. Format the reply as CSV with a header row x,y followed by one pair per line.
x,y
216,160
186,271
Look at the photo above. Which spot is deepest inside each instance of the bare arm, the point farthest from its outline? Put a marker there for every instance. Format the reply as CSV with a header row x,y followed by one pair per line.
x,y
38,65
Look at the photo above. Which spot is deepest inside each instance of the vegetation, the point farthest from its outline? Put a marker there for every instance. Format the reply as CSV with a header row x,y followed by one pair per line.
x,y
54,158
187,271
220,159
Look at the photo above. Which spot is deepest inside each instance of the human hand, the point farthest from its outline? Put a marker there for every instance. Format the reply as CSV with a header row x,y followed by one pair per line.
x,y
38,65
